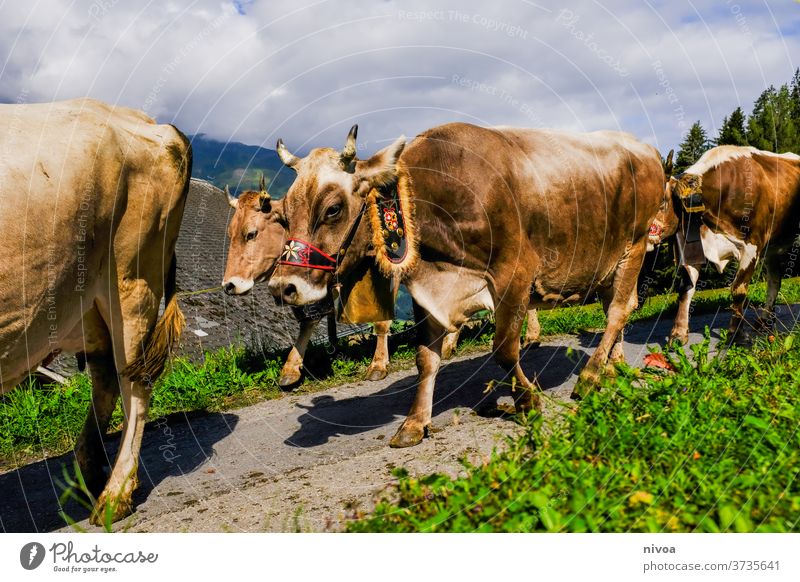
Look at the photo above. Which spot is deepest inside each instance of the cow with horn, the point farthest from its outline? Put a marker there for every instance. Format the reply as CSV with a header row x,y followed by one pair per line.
x,y
472,218
256,244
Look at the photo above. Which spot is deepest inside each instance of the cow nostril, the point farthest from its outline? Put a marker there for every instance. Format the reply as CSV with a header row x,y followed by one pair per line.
x,y
289,292
229,288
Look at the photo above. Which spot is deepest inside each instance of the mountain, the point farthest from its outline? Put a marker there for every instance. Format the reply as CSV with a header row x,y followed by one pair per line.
x,y
239,165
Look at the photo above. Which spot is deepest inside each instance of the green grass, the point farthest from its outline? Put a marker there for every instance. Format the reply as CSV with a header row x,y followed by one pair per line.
x,y
583,318
39,422
713,448
36,422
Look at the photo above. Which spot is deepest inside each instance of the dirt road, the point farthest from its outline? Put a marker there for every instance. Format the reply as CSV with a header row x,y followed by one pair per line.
x,y
307,462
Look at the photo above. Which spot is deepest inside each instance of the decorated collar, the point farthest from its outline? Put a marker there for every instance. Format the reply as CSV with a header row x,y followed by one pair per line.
x,y
393,227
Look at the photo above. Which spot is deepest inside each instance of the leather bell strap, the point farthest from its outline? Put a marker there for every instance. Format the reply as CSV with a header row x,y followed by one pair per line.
x,y
299,253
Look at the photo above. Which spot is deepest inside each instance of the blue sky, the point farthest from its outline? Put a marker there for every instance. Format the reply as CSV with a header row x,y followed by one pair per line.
x,y
306,70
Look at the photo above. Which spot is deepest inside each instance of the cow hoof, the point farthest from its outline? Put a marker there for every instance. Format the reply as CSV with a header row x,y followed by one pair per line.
x,y
678,339
109,510
616,358
529,401
448,351
740,338
587,382
408,436
290,379
375,374
531,343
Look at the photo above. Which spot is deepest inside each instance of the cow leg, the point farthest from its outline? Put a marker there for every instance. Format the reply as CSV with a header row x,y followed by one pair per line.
x,y
508,318
380,359
741,280
118,493
680,327
89,450
772,268
533,331
617,354
134,316
292,371
450,343
623,302
429,356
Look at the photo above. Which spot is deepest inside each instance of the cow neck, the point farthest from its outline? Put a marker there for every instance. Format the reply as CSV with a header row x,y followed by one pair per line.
x,y
348,238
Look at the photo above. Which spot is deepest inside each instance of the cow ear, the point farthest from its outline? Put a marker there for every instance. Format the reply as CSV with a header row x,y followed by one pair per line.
x,y
275,210
381,168
264,201
668,165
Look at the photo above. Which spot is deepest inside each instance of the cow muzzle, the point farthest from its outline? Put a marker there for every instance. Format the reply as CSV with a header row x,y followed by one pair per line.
x,y
237,286
293,290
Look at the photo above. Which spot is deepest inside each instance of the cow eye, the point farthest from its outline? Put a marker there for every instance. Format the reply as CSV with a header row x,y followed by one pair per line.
x,y
251,235
333,211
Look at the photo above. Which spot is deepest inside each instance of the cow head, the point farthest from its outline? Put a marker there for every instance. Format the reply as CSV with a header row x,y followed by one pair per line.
x,y
256,236
322,210
665,223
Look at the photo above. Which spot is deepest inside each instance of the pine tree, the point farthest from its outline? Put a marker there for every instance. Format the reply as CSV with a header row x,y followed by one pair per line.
x,y
771,126
732,131
692,147
794,96
762,121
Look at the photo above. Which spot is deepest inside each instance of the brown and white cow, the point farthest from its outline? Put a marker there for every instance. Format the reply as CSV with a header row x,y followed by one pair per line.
x,y
752,213
256,244
91,200
505,217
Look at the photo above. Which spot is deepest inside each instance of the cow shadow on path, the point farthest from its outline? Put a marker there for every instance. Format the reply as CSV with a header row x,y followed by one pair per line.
x,y
172,446
460,384
656,331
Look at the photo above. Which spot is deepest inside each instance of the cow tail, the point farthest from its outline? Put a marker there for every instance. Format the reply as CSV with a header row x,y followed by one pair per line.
x,y
166,334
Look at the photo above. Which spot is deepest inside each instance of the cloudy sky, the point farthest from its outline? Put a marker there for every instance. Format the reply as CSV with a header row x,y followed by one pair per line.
x,y
306,70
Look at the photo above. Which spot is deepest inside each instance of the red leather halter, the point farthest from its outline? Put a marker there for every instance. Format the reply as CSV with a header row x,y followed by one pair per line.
x,y
299,253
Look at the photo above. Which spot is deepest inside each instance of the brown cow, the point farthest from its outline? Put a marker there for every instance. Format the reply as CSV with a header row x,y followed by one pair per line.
x,y
256,244
92,200
503,217
752,210
250,262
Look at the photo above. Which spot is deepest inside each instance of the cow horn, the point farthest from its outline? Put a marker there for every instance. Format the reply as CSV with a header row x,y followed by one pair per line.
x,y
668,166
349,151
232,200
262,184
287,157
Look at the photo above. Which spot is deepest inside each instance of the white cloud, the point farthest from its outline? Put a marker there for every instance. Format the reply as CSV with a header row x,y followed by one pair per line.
x,y
253,71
